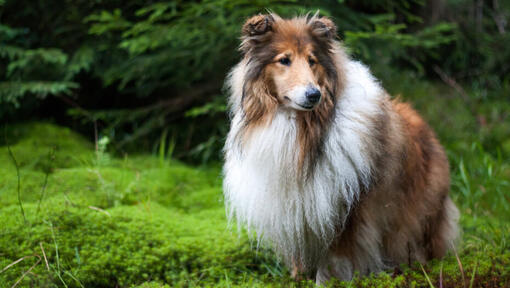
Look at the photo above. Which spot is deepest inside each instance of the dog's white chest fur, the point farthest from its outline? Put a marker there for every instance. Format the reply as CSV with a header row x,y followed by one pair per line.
x,y
300,217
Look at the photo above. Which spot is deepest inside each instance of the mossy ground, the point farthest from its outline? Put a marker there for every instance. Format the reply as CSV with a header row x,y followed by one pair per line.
x,y
144,221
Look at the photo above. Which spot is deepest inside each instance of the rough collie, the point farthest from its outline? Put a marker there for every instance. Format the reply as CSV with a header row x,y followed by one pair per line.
x,y
323,164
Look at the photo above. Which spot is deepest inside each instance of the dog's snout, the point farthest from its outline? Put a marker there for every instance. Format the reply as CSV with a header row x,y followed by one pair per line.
x,y
313,95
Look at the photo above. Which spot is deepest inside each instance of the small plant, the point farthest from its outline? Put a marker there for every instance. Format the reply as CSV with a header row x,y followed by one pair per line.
x,y
165,153
102,156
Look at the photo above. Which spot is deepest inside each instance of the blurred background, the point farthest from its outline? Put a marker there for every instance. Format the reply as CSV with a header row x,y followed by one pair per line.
x,y
113,118
141,71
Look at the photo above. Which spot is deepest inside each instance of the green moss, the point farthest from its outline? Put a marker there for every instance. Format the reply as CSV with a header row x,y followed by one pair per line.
x,y
140,222
43,147
124,245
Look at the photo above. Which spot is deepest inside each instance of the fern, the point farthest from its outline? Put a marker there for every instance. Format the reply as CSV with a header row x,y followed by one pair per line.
x,y
13,91
39,72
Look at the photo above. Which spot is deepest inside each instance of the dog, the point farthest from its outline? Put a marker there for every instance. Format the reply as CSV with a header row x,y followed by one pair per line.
x,y
323,164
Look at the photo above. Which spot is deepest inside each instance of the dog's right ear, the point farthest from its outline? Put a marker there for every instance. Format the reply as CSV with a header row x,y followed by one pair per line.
x,y
258,25
256,30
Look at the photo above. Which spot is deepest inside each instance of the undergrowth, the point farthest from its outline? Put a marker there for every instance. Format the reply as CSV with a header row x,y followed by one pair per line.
x,y
95,220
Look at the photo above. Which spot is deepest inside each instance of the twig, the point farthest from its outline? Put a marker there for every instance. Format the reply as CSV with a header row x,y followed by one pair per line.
x,y
426,276
26,272
17,173
76,105
44,255
451,82
14,263
100,210
185,98
47,174
460,266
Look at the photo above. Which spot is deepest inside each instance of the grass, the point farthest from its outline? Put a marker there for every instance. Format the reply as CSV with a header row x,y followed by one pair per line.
x,y
92,220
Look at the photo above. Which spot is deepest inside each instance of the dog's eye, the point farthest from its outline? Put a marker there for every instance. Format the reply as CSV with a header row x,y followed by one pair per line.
x,y
285,61
311,61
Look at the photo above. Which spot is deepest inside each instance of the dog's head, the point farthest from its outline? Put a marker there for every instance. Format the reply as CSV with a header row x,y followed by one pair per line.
x,y
290,60
296,65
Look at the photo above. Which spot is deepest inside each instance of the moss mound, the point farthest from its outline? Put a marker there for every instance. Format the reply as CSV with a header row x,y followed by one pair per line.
x,y
144,222
43,146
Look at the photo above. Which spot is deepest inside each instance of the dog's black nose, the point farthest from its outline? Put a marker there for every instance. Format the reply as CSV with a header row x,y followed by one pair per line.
x,y
313,95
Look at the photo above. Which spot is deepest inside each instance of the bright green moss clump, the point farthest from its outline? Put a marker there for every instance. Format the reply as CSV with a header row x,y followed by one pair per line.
x,y
124,245
146,223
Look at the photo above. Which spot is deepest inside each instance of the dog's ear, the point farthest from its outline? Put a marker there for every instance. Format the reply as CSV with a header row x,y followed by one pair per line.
x,y
256,30
323,27
258,25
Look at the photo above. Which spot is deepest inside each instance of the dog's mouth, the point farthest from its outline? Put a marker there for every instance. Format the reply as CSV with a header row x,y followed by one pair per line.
x,y
298,106
306,107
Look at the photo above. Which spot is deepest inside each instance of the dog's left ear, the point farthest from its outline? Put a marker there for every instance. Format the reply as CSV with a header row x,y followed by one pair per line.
x,y
323,27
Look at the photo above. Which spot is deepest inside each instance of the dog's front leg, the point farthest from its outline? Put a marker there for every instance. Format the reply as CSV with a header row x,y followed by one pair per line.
x,y
334,266
297,273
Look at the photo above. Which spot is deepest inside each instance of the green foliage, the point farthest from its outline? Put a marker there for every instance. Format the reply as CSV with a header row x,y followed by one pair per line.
x,y
478,57
37,72
476,178
172,43
414,48
12,91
